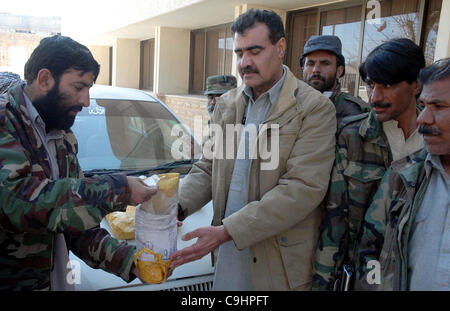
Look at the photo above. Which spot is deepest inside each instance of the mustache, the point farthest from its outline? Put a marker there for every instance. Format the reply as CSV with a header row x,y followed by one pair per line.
x,y
316,77
76,108
426,130
380,105
249,69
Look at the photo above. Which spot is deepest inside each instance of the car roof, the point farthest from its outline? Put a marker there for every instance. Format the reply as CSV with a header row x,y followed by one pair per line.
x,y
113,92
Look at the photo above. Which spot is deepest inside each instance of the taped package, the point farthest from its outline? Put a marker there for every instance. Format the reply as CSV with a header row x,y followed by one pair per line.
x,y
156,228
122,223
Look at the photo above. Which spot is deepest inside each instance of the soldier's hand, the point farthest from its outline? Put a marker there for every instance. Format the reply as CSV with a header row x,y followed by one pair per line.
x,y
140,192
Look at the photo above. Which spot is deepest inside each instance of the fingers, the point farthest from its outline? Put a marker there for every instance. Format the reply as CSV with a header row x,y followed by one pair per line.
x,y
205,244
151,191
140,192
186,255
169,271
190,235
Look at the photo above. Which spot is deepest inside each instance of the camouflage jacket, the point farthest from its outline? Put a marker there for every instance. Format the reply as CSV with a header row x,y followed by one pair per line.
x,y
362,157
347,105
34,208
388,222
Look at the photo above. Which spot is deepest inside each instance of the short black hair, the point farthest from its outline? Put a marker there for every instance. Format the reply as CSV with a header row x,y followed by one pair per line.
x,y
271,19
439,70
392,62
58,54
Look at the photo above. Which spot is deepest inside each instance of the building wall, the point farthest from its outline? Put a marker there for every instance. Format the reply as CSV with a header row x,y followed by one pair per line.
x,y
172,48
188,108
15,49
443,37
126,63
101,55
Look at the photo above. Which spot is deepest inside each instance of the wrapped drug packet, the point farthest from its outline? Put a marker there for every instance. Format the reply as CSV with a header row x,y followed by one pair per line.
x,y
122,223
156,228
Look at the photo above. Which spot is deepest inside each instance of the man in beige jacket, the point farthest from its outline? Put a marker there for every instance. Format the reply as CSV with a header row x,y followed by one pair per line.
x,y
266,218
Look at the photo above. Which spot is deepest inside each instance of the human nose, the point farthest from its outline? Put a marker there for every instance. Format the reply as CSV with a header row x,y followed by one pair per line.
x,y
425,117
246,60
376,94
316,68
84,98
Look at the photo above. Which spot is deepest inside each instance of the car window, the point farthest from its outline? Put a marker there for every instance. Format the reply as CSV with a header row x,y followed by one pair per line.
x,y
129,135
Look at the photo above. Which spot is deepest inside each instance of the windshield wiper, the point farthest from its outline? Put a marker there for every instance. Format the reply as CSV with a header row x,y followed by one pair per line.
x,y
103,171
164,166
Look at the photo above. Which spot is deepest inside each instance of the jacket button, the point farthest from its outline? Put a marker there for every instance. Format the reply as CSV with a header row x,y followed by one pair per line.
x,y
254,259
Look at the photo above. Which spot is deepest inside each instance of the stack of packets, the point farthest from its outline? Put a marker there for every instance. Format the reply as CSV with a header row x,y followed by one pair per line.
x,y
156,228
122,223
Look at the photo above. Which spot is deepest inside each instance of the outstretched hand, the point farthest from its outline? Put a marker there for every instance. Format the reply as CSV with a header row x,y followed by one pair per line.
x,y
209,238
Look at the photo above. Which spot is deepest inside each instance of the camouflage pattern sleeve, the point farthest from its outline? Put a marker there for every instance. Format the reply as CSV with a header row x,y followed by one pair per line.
x,y
30,202
373,232
99,249
333,227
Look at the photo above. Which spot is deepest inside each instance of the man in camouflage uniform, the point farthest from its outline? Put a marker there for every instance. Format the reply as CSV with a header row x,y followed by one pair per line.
x,y
405,242
323,65
7,80
46,206
215,87
366,146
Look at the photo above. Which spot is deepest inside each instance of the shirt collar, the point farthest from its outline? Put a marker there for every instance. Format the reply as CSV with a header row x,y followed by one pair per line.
x,y
37,121
433,161
273,93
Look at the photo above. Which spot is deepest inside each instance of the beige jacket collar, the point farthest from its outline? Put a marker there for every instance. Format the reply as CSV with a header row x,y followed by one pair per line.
x,y
285,101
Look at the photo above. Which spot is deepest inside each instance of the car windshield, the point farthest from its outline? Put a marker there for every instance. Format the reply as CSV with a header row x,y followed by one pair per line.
x,y
130,135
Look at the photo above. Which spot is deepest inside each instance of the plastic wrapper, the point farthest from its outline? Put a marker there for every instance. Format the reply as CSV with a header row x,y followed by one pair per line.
x,y
122,223
156,228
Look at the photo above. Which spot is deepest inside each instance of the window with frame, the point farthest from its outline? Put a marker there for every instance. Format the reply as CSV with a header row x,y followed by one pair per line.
x,y
147,65
414,19
211,54
346,24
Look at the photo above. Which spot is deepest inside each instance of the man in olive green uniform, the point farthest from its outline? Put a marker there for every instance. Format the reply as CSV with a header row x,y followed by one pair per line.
x,y
323,65
366,146
406,228
216,86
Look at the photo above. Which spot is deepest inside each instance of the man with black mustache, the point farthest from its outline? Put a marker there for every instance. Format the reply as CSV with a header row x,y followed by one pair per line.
x,y
407,227
47,207
366,146
323,65
265,223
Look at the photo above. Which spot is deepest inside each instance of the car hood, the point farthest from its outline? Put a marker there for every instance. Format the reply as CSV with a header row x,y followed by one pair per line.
x,y
97,279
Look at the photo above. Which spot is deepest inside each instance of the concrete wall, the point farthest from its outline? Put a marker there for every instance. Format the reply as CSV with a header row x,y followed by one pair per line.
x,y
126,62
172,49
188,108
101,55
443,37
15,49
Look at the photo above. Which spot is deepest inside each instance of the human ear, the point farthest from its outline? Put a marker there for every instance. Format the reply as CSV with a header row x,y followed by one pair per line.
x,y
339,71
416,88
281,46
45,80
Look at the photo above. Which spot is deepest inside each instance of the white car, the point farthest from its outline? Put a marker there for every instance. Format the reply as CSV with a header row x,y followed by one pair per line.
x,y
127,130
